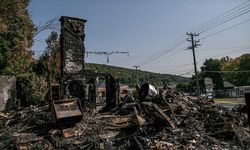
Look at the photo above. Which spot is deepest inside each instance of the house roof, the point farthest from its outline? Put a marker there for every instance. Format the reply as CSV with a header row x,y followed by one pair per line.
x,y
228,84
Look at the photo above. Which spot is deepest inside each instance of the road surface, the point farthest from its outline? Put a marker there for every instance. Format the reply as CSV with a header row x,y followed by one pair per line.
x,y
229,102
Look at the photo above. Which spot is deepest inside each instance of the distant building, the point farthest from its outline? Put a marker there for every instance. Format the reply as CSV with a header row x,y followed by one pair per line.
x,y
231,90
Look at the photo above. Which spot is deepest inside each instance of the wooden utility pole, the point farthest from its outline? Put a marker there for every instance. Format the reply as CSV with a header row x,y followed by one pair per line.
x,y
194,45
136,68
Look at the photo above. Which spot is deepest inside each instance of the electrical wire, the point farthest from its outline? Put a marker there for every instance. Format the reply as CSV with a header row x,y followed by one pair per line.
x,y
233,26
216,25
219,20
162,54
159,67
165,56
224,48
228,71
223,54
227,15
202,60
196,28
172,67
180,71
179,40
185,73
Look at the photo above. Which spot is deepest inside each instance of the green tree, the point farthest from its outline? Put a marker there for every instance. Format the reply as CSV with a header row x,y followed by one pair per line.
x,y
238,69
16,37
50,59
185,87
244,65
231,76
226,59
213,65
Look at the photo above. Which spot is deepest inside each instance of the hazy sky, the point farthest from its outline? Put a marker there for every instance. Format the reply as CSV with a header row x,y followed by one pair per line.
x,y
146,27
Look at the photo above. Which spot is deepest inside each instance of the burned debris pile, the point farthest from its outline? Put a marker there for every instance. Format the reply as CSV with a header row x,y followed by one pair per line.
x,y
25,127
147,120
167,120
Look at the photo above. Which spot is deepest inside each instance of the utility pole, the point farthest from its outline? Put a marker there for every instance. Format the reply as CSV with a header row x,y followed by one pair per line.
x,y
194,45
136,68
106,53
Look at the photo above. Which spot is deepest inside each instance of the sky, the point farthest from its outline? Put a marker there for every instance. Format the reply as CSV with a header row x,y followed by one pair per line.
x,y
153,31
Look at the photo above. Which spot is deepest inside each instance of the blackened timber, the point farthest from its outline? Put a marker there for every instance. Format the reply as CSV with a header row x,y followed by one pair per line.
x,y
247,99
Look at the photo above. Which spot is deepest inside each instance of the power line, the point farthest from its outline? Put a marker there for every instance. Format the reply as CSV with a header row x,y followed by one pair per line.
x,y
203,24
229,15
220,18
166,48
230,52
217,33
171,66
224,22
201,27
181,66
228,71
226,29
222,31
164,56
164,52
181,71
184,73
160,53
176,70
224,48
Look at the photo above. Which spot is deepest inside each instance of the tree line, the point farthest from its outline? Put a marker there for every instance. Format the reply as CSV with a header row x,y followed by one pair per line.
x,y
233,70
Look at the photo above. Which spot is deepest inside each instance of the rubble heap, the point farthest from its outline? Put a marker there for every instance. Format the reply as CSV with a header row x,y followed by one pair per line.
x,y
166,121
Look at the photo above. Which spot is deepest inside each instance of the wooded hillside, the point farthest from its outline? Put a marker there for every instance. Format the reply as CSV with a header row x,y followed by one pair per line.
x,y
128,76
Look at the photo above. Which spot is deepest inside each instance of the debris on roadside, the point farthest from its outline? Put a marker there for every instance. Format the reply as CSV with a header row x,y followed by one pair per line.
x,y
167,120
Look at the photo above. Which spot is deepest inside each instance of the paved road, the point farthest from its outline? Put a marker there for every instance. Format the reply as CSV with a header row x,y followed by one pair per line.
x,y
229,102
